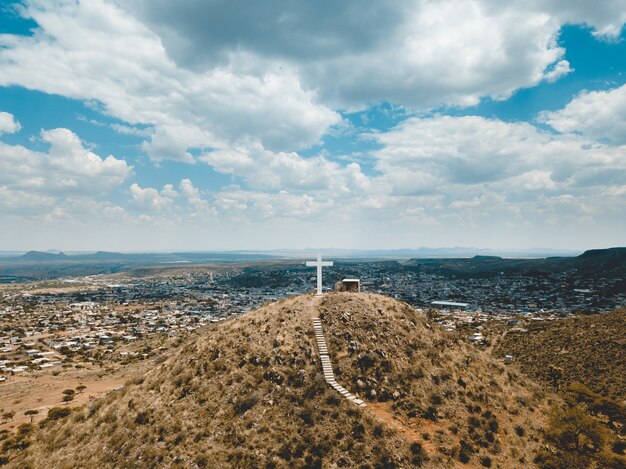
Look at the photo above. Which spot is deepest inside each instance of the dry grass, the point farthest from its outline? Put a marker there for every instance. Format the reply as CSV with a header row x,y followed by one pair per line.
x,y
584,359
250,393
587,349
466,403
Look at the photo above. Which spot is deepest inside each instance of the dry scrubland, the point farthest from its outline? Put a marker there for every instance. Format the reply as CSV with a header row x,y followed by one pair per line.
x,y
459,404
584,360
586,349
250,393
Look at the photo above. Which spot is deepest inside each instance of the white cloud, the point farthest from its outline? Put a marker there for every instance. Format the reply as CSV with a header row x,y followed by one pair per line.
x,y
150,198
598,115
417,53
606,17
273,87
264,169
248,86
66,168
170,204
8,124
120,63
561,68
236,204
435,173
473,161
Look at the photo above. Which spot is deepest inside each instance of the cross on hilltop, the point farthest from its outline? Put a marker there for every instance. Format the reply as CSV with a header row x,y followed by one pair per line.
x,y
319,264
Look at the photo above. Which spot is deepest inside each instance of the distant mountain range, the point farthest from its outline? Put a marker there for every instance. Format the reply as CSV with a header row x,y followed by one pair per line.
x,y
589,263
422,252
37,265
104,256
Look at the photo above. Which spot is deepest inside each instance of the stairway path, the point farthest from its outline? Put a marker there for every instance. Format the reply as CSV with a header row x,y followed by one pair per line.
x,y
327,366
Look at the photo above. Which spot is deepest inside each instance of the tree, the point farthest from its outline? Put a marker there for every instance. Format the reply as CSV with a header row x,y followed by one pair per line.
x,y
8,415
31,413
68,398
80,388
576,439
69,392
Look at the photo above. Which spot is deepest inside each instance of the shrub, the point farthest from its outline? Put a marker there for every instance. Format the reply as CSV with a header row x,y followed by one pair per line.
x,y
436,399
576,439
473,422
246,403
57,413
419,455
142,418
430,413
619,447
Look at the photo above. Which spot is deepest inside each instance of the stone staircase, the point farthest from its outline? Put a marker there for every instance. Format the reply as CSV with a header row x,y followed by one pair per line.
x,y
327,366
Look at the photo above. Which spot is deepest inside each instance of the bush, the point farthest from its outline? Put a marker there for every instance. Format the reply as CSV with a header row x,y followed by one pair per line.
x,y
57,413
577,439
419,455
142,418
619,447
246,403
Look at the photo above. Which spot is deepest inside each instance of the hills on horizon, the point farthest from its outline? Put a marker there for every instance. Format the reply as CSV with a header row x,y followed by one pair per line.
x,y
422,252
40,265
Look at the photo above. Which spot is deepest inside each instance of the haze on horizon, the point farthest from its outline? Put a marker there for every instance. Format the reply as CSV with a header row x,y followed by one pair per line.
x,y
143,125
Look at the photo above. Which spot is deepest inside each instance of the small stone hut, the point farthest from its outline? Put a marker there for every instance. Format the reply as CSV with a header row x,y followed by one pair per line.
x,y
348,285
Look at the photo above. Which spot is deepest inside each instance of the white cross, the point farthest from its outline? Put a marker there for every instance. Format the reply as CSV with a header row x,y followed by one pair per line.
x,y
319,264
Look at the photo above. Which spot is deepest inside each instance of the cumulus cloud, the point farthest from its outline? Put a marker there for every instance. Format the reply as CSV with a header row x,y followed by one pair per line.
x,y
150,198
67,169
599,115
417,53
121,64
270,76
245,88
606,18
268,170
186,202
465,159
429,172
8,124
63,187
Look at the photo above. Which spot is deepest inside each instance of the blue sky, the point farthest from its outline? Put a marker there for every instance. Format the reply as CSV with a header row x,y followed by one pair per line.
x,y
185,126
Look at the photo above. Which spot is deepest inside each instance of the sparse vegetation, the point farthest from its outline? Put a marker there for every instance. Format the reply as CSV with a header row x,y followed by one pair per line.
x,y
250,393
583,360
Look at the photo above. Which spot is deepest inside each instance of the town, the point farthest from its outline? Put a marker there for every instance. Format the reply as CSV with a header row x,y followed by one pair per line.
x,y
109,318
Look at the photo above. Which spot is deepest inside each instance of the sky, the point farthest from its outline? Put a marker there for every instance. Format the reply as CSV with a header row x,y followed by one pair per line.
x,y
152,125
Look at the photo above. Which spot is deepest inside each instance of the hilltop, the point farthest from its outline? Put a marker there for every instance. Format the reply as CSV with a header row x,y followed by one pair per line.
x,y
250,393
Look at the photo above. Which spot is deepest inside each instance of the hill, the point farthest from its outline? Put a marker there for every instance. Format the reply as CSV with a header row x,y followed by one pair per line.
x,y
250,393
584,360
588,349
591,263
39,256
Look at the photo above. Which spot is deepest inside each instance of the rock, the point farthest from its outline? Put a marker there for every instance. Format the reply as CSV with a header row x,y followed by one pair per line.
x,y
360,384
373,393
396,395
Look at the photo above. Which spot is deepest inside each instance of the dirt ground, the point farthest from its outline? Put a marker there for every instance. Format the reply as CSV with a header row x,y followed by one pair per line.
x,y
41,390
